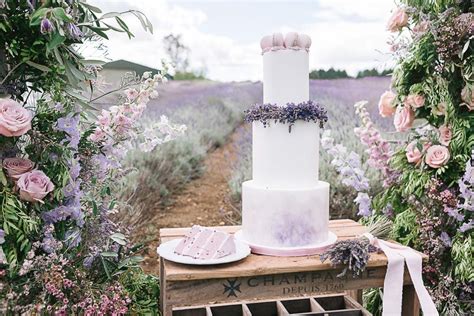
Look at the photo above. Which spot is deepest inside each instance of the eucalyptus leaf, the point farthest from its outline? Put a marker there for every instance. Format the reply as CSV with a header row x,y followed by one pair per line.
x,y
38,66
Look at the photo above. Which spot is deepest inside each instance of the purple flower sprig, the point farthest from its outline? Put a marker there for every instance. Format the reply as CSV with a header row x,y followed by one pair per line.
x,y
309,111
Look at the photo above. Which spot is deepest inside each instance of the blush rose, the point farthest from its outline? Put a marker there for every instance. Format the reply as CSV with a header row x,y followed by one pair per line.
x,y
386,106
404,117
445,135
15,167
415,101
437,156
398,20
413,153
34,186
15,120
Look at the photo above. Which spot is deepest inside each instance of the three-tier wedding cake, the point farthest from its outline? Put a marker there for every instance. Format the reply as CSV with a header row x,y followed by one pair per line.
x,y
285,207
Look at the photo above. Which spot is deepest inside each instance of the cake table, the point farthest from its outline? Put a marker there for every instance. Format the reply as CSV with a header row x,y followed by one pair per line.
x,y
260,277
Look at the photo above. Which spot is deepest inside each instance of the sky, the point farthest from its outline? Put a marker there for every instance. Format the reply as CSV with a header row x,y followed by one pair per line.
x,y
224,35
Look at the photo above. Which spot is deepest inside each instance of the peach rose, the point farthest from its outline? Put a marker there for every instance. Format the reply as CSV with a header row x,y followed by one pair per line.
x,y
437,156
386,106
34,186
440,109
404,117
467,95
15,167
445,135
14,119
398,20
415,101
413,154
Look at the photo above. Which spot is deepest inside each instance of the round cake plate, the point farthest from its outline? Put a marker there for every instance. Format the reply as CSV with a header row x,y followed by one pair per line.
x,y
166,250
313,249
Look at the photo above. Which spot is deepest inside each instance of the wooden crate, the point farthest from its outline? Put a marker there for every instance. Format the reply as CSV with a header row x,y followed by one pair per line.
x,y
327,305
259,277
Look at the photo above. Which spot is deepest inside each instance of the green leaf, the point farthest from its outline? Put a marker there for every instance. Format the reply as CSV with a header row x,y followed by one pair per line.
x,y
124,26
56,40
38,66
3,178
119,238
37,16
91,7
109,254
98,31
61,14
110,15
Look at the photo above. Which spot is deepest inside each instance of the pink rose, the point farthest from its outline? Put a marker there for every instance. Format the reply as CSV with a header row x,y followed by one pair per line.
x,y
404,117
386,106
467,95
398,20
437,156
413,154
15,167
34,186
14,119
415,101
445,135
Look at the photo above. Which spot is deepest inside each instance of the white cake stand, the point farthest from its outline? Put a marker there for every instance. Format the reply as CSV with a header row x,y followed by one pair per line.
x,y
308,250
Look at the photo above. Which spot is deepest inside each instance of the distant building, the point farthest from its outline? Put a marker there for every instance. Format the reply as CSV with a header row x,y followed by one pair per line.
x,y
113,71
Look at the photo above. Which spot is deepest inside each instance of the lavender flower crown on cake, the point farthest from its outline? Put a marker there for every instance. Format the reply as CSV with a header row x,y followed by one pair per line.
x,y
306,111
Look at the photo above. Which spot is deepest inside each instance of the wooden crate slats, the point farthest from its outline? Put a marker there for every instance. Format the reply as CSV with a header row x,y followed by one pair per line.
x,y
198,292
283,307
277,278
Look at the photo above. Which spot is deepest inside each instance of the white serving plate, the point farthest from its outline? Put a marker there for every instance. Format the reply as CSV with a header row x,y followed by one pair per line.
x,y
308,250
166,250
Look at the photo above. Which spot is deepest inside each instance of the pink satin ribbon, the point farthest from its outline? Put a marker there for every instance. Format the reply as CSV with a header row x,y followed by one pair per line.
x,y
397,255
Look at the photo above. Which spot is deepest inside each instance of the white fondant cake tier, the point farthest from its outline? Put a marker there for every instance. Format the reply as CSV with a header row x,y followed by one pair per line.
x,y
285,77
285,160
285,217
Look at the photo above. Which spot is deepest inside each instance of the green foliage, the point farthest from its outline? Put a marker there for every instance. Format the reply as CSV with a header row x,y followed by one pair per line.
x,y
189,75
144,291
331,73
373,73
462,251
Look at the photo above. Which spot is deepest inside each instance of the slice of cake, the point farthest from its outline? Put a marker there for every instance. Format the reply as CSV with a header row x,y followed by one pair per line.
x,y
204,243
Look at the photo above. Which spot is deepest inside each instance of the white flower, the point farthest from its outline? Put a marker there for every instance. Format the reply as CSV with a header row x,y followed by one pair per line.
x,y
146,74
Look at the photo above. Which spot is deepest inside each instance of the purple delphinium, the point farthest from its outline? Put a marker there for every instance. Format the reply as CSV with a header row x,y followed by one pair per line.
x,y
349,168
466,226
2,236
446,239
70,125
46,26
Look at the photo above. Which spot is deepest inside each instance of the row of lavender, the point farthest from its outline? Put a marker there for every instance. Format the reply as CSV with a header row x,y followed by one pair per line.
x,y
211,111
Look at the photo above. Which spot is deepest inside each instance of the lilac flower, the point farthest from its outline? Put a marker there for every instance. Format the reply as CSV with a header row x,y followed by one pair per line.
x,y
454,213
74,31
72,189
363,200
46,26
75,169
68,124
446,239
49,243
466,189
2,236
466,226
348,166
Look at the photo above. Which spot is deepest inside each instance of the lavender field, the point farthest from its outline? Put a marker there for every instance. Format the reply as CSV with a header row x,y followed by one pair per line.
x,y
214,111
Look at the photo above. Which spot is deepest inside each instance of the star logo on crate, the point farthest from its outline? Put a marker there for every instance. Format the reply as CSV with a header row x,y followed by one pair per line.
x,y
232,287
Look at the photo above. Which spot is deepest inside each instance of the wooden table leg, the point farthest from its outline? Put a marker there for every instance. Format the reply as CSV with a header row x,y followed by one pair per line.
x,y
410,303
355,294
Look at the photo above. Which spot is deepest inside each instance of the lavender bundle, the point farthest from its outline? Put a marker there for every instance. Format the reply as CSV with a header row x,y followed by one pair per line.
x,y
353,254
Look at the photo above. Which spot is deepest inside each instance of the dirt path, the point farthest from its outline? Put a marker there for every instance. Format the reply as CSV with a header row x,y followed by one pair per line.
x,y
203,201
